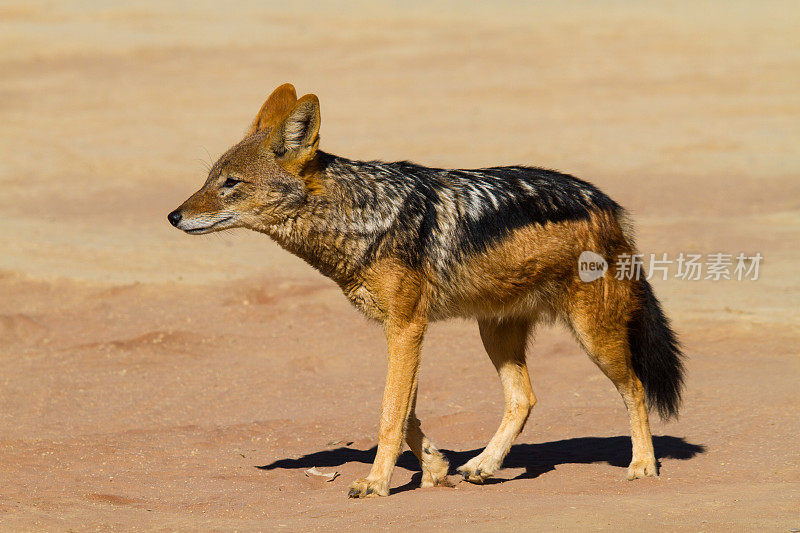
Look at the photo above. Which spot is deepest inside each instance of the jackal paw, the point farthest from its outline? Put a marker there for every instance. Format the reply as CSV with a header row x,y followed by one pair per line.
x,y
640,469
434,473
478,469
365,488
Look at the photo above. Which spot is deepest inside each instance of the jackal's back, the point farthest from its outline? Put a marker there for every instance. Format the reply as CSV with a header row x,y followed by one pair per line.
x,y
436,219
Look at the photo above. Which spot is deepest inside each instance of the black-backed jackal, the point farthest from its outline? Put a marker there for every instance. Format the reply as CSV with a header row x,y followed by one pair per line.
x,y
409,245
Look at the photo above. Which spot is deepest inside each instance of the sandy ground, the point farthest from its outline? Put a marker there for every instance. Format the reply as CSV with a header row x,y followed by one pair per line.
x,y
153,380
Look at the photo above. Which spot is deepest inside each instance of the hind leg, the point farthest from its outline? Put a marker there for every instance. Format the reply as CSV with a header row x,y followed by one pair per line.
x,y
607,346
434,465
504,341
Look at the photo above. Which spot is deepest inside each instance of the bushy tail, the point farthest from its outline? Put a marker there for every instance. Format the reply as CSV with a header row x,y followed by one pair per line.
x,y
656,354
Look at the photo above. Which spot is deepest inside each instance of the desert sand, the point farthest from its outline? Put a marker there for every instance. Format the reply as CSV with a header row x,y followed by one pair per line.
x,y
154,380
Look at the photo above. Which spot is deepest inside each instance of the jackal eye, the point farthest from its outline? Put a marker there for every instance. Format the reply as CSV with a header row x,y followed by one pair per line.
x,y
230,182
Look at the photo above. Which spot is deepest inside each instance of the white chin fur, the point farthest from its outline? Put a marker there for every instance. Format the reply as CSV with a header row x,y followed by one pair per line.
x,y
200,225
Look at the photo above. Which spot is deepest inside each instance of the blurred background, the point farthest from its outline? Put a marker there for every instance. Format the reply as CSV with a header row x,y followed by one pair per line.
x,y
144,372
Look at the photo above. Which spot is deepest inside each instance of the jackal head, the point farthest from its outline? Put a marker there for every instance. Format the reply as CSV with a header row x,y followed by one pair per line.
x,y
266,177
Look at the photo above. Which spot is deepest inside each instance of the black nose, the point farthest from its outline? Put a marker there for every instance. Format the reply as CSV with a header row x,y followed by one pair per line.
x,y
174,218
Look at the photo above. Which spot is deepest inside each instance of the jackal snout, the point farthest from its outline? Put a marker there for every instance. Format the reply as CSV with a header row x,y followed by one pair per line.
x,y
204,212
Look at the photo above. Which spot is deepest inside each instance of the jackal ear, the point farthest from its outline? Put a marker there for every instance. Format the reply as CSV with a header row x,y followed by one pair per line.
x,y
296,139
275,109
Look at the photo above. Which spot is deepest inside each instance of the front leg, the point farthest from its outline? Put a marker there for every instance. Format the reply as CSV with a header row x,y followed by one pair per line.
x,y
405,341
434,465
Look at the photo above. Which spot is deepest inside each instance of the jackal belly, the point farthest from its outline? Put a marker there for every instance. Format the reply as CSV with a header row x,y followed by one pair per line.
x,y
473,294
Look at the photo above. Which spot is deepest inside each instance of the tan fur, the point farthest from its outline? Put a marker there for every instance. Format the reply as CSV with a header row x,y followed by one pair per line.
x,y
275,109
504,340
405,322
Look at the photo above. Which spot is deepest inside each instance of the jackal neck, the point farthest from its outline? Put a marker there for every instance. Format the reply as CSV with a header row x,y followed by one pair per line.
x,y
339,228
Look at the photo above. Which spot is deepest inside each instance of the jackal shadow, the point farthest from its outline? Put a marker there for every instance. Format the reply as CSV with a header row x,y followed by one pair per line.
x,y
536,459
